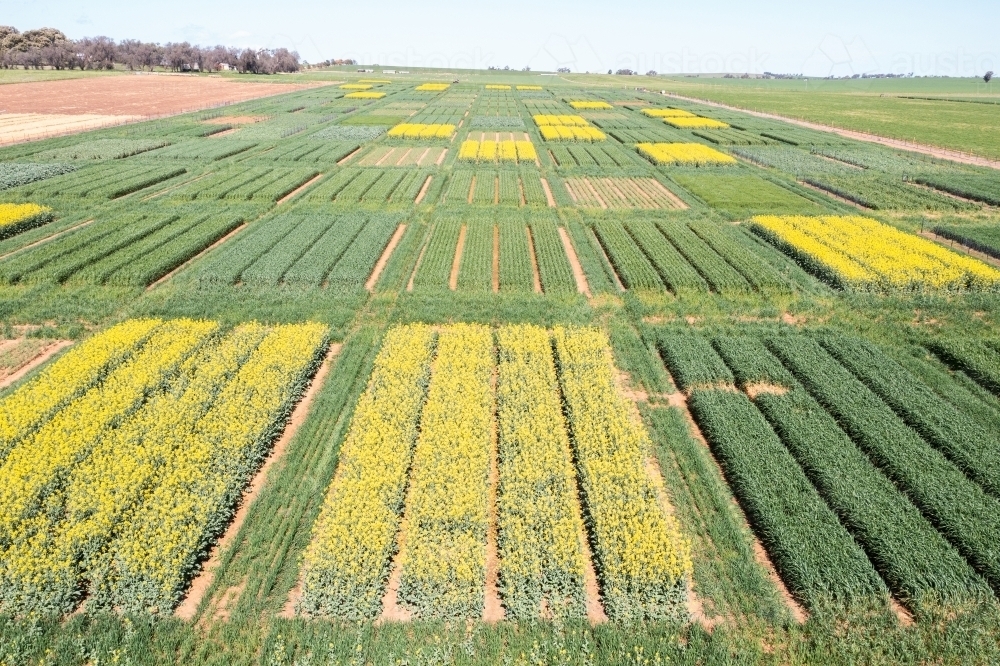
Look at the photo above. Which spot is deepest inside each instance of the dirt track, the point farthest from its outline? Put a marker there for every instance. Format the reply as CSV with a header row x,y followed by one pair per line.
x,y
942,153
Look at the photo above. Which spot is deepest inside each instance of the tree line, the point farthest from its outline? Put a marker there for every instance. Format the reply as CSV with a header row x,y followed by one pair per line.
x,y
48,47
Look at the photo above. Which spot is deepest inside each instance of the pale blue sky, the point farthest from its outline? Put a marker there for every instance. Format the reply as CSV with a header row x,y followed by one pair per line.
x,y
816,38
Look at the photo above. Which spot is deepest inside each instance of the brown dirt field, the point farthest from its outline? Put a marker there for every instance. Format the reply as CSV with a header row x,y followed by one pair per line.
x,y
138,95
199,586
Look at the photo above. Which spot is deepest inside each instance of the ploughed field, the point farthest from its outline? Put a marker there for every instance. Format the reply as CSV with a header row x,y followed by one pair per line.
x,y
495,371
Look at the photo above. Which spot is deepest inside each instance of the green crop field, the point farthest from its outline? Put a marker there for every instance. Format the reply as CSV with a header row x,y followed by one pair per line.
x,y
510,369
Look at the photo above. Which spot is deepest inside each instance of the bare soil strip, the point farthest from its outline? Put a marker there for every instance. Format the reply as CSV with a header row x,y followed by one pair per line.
x,y
536,279
548,193
472,189
679,400
520,190
493,610
591,590
442,156
46,239
199,586
301,188
42,357
496,190
227,132
572,193
574,261
355,152
420,258
420,160
943,153
384,259
593,190
197,256
947,242
456,263
423,191
496,260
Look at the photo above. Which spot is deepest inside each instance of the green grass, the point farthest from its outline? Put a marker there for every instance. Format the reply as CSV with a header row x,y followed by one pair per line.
x,y
746,194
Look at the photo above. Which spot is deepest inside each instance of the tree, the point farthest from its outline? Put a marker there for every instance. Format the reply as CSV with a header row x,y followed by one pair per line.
x,y
988,76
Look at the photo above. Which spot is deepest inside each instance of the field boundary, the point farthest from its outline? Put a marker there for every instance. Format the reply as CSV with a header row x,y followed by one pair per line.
x,y
925,149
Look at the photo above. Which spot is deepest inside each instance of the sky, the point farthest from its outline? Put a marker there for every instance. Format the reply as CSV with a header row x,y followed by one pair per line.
x,y
925,37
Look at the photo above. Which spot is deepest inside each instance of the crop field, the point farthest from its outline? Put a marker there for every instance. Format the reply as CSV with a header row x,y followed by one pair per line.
x,y
495,368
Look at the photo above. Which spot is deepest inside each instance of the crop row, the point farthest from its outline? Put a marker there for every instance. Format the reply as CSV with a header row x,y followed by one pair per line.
x,y
304,247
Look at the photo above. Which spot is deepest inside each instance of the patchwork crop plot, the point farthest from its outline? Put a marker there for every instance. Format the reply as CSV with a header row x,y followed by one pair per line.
x,y
443,382
379,370
200,404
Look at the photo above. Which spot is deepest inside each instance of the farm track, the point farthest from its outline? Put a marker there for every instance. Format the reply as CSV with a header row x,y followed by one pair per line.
x,y
941,153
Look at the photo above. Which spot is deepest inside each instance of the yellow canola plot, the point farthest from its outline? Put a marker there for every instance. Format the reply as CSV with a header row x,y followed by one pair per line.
x,y
668,113
585,105
47,570
150,561
695,123
365,94
421,131
433,87
526,151
356,86
444,559
35,468
529,87
571,133
74,372
14,214
643,559
469,150
691,154
494,86
538,514
564,120
347,560
488,150
507,151
862,253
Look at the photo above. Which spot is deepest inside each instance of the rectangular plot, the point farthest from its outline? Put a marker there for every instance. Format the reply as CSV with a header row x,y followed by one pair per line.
x,y
271,266
515,256
476,268
358,186
733,246
720,275
672,267
347,561
227,263
435,269
554,269
629,262
485,187
313,266
356,264
509,188
459,186
444,571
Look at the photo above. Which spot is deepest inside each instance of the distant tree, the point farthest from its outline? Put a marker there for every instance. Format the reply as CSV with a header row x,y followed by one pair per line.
x,y
988,76
563,70
651,72
98,53
610,72
247,62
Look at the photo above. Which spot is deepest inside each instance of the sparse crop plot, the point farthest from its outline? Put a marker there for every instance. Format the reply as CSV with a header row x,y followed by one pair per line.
x,y
646,193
